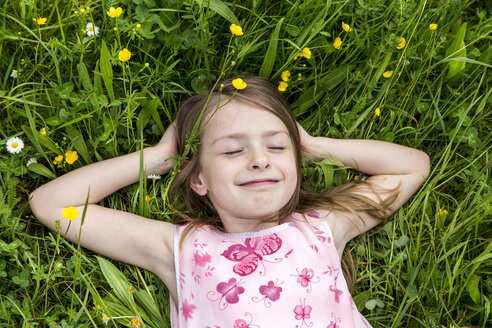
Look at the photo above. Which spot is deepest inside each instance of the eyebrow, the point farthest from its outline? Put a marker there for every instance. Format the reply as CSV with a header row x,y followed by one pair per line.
x,y
243,135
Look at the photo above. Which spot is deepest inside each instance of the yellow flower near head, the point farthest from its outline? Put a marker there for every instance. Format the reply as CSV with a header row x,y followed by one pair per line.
x,y
40,21
58,159
285,76
114,13
135,322
70,213
282,86
124,55
239,84
433,27
346,27
401,43
377,111
338,43
388,74
43,131
236,29
71,156
306,53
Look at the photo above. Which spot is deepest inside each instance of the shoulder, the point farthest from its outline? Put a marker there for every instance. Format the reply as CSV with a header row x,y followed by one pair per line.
x,y
340,224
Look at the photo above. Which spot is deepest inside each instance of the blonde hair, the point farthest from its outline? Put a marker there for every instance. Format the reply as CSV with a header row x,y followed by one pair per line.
x,y
263,93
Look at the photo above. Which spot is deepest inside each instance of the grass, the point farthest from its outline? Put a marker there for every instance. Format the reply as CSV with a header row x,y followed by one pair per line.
x,y
429,267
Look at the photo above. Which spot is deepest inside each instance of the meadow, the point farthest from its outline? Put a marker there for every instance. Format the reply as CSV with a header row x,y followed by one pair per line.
x,y
410,72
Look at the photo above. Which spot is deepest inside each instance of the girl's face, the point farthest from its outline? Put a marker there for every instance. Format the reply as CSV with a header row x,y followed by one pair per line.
x,y
247,165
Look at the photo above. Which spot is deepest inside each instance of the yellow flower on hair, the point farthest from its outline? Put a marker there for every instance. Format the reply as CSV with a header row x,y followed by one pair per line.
x,y
285,76
377,111
58,159
40,21
282,86
401,43
71,156
236,29
346,27
70,213
239,84
338,43
388,74
433,27
114,13
124,55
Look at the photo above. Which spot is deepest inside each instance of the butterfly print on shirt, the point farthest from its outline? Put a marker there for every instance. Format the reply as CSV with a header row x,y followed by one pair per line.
x,y
334,323
241,323
228,292
271,293
187,309
305,278
303,312
252,252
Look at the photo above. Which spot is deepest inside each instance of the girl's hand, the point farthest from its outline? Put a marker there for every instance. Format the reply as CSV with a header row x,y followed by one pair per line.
x,y
160,157
306,143
168,143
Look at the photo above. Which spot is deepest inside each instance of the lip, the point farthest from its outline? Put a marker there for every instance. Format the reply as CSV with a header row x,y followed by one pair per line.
x,y
258,183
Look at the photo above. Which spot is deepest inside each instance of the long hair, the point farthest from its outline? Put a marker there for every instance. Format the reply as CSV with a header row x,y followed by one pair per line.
x,y
263,93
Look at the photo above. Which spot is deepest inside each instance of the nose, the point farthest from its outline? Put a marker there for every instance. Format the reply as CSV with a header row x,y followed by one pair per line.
x,y
259,159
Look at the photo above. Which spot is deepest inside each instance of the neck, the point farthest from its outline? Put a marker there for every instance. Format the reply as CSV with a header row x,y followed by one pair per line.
x,y
239,225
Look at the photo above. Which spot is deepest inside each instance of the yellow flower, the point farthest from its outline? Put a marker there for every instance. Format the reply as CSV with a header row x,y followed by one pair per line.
x,y
135,322
114,13
58,159
148,199
377,111
306,53
43,131
71,156
388,74
433,27
282,86
338,43
239,83
40,21
236,29
442,212
130,290
70,213
401,43
346,27
285,76
124,55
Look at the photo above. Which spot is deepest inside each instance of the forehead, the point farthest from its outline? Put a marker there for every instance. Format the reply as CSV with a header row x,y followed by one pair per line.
x,y
238,117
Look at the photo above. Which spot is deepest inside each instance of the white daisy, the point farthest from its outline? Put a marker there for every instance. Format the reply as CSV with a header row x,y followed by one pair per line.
x,y
154,177
91,29
31,160
15,145
105,319
15,73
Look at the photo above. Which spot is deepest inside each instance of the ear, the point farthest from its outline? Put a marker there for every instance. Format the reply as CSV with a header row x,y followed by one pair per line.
x,y
197,184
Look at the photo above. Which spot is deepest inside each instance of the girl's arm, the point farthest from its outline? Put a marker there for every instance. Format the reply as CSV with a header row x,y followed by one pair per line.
x,y
117,234
389,165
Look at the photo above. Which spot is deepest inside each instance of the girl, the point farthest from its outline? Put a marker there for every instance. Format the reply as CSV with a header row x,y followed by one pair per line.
x,y
257,251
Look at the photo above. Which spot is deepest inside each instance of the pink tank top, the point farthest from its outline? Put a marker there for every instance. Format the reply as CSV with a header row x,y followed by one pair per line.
x,y
285,276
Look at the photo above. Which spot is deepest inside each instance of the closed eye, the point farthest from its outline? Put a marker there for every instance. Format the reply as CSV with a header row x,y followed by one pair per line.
x,y
229,153
277,148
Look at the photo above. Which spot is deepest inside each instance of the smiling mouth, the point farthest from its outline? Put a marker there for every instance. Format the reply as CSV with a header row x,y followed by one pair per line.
x,y
258,183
